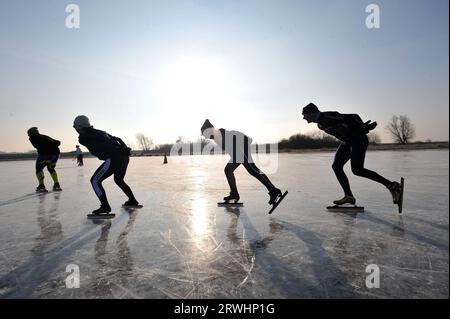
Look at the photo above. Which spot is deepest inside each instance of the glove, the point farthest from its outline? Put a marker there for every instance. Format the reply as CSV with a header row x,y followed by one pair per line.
x,y
370,126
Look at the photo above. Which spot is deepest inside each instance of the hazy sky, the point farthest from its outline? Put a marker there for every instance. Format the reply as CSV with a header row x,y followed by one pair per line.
x,y
162,67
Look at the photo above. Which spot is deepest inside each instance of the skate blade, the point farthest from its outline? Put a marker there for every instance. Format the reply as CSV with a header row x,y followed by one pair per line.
x,y
225,204
104,216
277,202
400,201
345,208
127,206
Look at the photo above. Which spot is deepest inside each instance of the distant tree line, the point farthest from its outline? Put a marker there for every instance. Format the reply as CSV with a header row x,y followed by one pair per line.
x,y
313,141
400,128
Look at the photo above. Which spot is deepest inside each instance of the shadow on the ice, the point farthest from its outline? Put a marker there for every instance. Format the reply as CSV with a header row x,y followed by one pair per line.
x,y
22,281
400,229
284,277
332,281
444,227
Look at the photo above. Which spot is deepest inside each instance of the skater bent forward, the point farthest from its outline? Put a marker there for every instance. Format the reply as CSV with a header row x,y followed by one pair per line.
x,y
352,132
115,154
48,155
237,145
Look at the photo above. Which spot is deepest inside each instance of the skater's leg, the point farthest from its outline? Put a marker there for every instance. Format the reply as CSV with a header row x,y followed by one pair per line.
x,y
104,171
119,176
341,157
51,169
229,173
358,154
257,173
40,164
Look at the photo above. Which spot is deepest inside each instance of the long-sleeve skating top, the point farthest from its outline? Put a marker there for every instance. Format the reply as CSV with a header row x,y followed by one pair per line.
x,y
78,151
233,142
102,144
344,127
44,144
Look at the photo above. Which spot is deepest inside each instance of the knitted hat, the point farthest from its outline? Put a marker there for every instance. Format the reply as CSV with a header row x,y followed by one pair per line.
x,y
206,126
310,108
33,131
82,121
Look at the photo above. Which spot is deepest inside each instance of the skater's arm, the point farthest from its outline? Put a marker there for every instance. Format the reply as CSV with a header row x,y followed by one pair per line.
x,y
40,141
56,142
356,124
124,147
334,123
122,143
34,142
98,145
89,144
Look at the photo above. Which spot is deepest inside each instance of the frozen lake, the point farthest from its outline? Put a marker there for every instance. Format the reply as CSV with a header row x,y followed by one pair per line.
x,y
181,245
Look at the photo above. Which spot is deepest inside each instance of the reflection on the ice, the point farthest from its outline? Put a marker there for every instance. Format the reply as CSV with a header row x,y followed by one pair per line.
x,y
113,271
49,225
199,218
181,245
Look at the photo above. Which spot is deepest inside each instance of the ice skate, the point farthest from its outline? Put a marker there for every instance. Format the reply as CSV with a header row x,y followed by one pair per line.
x,y
231,200
57,187
101,212
345,204
347,199
41,189
274,194
275,198
131,203
396,190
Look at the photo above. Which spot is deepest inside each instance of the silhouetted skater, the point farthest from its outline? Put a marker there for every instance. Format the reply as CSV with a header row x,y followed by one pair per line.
x,y
237,145
48,155
116,156
352,132
79,155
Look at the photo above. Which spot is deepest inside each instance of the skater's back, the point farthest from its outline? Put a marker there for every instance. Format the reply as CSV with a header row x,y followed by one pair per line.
x,y
233,141
44,144
342,126
102,144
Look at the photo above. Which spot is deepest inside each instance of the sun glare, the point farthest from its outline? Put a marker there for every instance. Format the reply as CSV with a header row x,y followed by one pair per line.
x,y
193,85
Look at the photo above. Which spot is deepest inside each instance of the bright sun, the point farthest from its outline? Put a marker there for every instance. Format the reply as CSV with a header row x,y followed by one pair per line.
x,y
191,86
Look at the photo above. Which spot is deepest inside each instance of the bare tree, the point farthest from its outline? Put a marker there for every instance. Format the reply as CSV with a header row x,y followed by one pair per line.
x,y
144,143
401,129
374,138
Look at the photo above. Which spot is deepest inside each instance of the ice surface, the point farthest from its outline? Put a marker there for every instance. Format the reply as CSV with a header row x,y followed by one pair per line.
x,y
181,245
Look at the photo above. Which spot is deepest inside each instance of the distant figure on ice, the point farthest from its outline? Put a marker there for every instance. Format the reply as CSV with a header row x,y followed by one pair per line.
x,y
116,156
48,154
237,145
352,132
79,155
